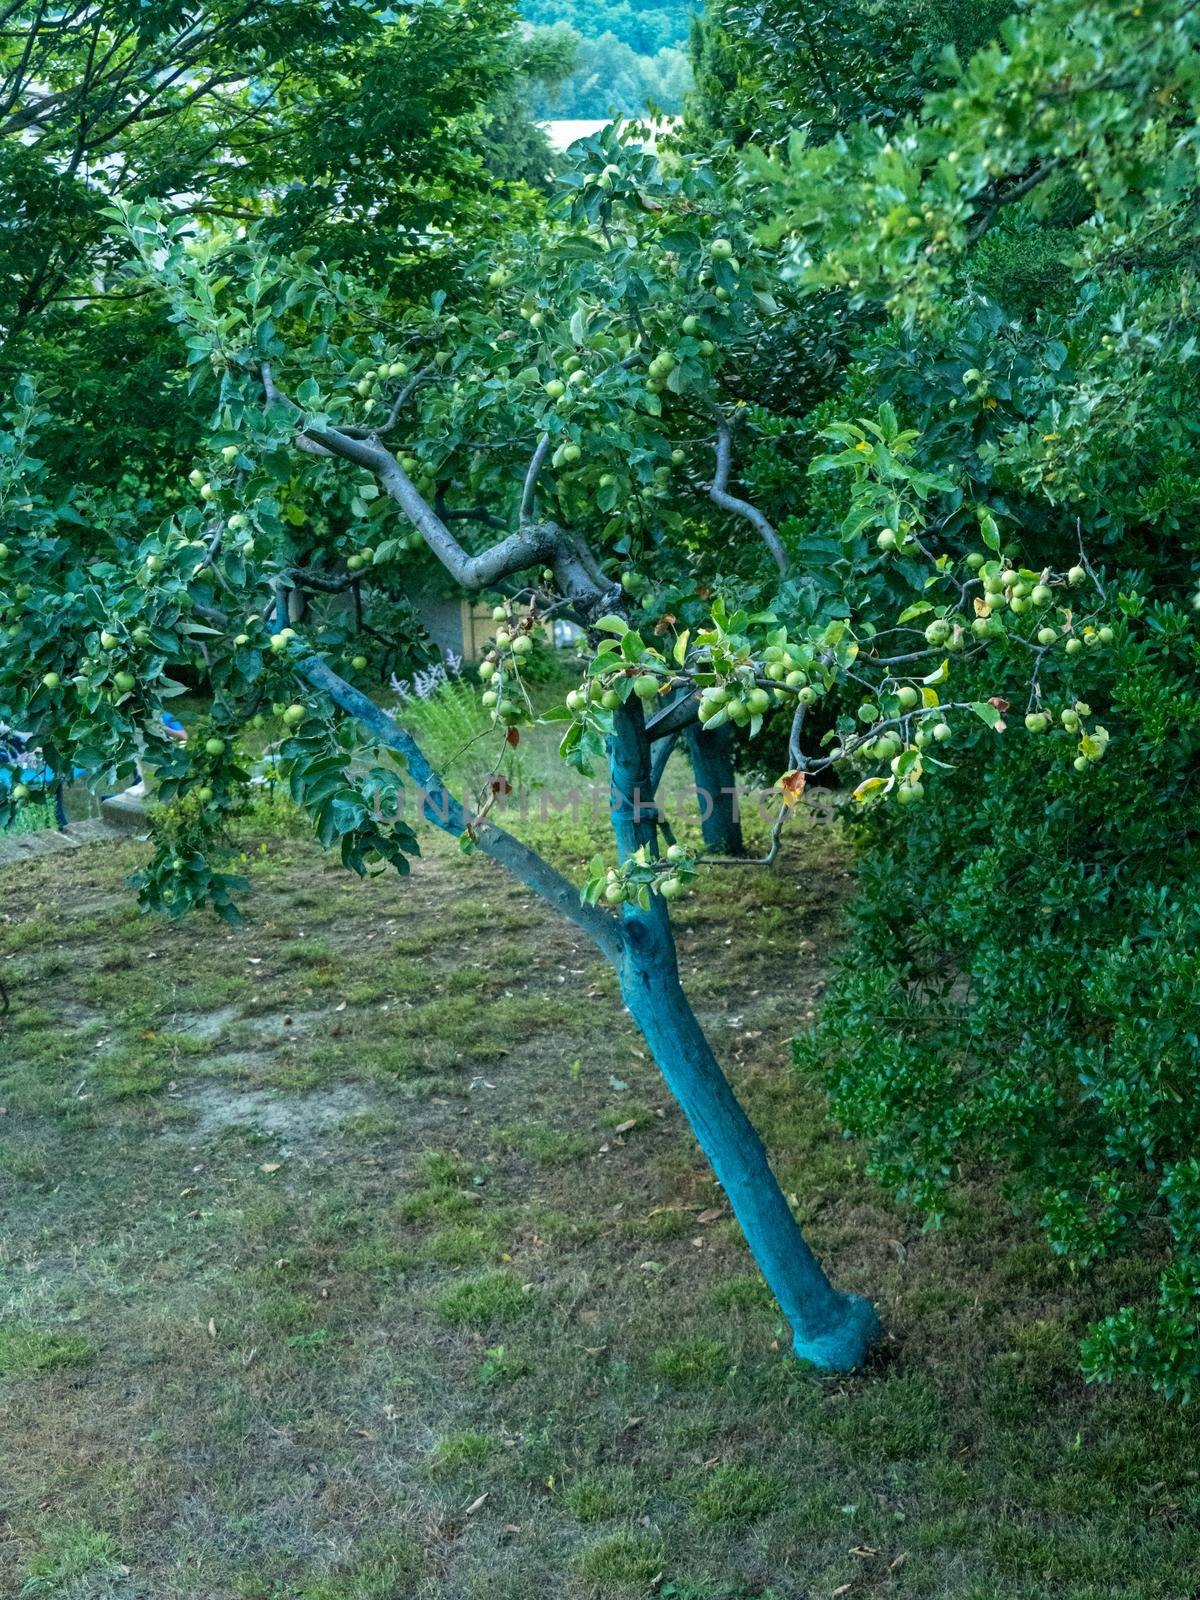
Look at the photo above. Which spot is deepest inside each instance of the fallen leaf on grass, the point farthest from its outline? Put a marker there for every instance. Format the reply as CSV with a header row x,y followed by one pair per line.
x,y
475,1504
271,1166
710,1215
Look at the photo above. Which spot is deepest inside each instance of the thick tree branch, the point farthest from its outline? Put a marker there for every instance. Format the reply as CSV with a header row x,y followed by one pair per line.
x,y
543,543
720,496
445,812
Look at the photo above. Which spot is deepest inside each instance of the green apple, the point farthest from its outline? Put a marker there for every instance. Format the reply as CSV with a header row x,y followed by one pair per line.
x,y
610,700
758,701
670,888
1076,575
20,791
886,540
125,681
721,249
108,641
614,893
1106,635
645,686
154,563
204,795
571,452
499,613
503,639
214,747
942,731
555,389
359,663
293,715
1041,594
241,639
676,852
522,645
908,697
487,669
229,452
51,680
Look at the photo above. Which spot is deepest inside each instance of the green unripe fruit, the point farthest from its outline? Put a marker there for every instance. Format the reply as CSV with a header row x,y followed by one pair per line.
x,y
498,278
1106,635
721,249
937,632
488,698
109,641
556,389
258,720
20,791
204,795
1076,575
242,639
1069,719
1081,763
678,457
690,324
278,644
124,681
576,701
807,696
974,560
868,711
1047,635
359,663
942,731
707,347
195,477
293,715
229,452
676,852
670,888
1008,578
1074,646
908,697
499,613
214,747
51,680
509,711
487,669
503,639
614,893
794,680
1036,722
645,686
1041,594
522,645
910,794
886,540
355,563
571,452
610,700
758,701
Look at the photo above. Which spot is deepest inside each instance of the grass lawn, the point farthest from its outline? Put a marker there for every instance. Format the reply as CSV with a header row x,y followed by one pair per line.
x,y
359,1254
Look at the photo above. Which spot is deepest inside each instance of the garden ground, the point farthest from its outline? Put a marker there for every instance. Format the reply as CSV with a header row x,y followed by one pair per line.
x,y
359,1254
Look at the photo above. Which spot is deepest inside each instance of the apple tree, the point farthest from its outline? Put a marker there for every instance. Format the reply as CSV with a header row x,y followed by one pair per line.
x,y
567,435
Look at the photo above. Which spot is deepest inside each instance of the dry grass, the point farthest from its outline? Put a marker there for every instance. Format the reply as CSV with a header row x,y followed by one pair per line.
x,y
370,1300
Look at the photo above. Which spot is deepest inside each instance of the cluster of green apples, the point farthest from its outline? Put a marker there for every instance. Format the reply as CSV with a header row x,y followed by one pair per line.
x,y
369,379
1093,742
504,692
643,875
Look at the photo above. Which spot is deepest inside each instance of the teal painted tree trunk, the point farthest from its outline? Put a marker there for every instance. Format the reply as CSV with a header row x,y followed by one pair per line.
x,y
831,1329
711,755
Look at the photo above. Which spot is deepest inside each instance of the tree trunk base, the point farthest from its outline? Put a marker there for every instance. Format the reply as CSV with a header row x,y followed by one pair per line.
x,y
847,1343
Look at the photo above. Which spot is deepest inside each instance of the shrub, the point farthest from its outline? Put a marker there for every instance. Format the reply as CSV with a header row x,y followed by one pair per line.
x,y
1022,988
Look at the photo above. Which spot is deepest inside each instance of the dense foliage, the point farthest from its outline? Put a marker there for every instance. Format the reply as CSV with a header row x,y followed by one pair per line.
x,y
876,437
1020,988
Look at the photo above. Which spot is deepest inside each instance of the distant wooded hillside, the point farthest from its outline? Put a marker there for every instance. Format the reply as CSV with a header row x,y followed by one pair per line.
x,y
627,55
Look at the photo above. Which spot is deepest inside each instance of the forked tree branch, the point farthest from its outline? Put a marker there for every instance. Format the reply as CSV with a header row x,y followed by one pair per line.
x,y
543,543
